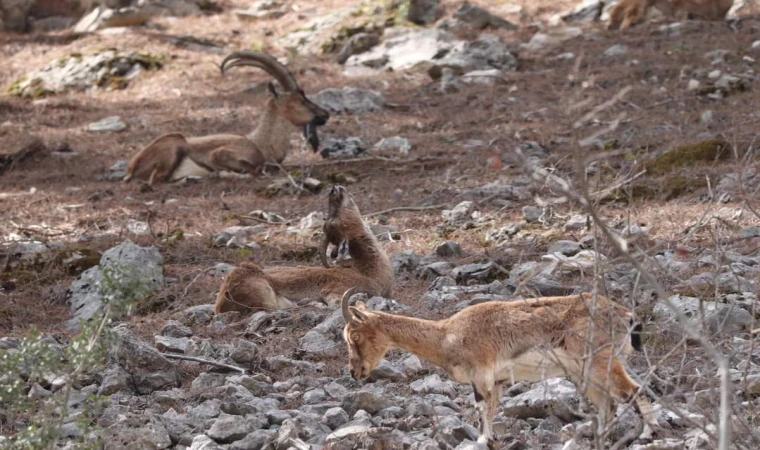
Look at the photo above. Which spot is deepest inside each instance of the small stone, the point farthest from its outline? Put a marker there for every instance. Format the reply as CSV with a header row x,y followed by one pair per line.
x,y
706,117
335,417
577,222
422,12
616,50
243,351
396,144
113,123
386,371
352,147
487,76
203,442
449,249
567,248
715,74
229,428
314,396
532,213
175,329
432,384
478,18
171,344
693,85
349,100
449,81
37,392
755,45
460,214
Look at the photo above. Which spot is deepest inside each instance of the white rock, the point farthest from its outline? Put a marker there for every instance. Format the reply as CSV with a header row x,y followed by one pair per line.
x,y
113,123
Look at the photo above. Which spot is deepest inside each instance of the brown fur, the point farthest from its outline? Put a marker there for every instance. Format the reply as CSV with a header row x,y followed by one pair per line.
x,y
627,13
480,344
173,156
249,287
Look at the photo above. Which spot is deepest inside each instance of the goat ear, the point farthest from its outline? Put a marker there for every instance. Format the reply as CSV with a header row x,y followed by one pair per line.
x,y
360,305
357,314
273,90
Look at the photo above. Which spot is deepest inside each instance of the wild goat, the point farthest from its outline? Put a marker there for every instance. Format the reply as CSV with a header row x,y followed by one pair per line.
x,y
504,342
173,156
627,13
331,228
249,287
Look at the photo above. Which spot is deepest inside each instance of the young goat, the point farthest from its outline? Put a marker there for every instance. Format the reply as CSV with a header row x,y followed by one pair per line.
x,y
627,13
249,287
174,156
581,337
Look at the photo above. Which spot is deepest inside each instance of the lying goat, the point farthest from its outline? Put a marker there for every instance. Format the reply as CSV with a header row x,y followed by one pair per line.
x,y
627,13
504,342
249,287
173,156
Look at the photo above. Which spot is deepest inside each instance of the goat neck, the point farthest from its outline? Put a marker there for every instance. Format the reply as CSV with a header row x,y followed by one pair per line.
x,y
418,336
272,135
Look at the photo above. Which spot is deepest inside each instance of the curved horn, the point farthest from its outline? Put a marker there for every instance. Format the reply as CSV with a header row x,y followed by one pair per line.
x,y
263,61
344,305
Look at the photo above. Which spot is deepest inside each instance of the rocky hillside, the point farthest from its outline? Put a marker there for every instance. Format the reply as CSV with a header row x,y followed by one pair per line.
x,y
499,150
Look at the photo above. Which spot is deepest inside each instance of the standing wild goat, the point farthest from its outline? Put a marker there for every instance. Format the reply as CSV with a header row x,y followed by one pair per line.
x,y
173,156
249,287
580,337
627,13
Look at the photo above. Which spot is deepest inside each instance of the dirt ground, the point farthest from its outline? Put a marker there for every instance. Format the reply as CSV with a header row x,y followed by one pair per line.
x,y
57,197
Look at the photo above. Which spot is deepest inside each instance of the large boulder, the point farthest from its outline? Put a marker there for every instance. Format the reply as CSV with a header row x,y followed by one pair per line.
x,y
141,265
147,369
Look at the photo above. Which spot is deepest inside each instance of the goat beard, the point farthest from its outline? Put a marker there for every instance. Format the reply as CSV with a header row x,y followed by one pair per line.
x,y
310,134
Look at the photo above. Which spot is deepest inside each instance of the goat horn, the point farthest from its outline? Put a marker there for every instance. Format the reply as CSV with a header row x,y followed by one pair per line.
x,y
344,305
263,61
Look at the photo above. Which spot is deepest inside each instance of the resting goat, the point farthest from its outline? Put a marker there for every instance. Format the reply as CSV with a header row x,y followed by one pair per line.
x,y
173,156
627,13
504,342
249,287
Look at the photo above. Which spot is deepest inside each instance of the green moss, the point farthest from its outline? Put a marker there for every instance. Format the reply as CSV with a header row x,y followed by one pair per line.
x,y
15,87
688,155
340,178
149,61
77,260
244,252
676,186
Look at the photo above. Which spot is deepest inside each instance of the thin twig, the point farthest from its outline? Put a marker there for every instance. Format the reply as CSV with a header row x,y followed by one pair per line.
x,y
204,361
404,208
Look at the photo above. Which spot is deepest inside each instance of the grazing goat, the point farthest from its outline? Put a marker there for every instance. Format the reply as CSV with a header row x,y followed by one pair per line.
x,y
174,156
249,287
627,13
504,342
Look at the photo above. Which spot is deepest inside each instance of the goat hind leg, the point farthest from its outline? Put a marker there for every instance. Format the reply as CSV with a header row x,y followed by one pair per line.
x,y
483,403
228,158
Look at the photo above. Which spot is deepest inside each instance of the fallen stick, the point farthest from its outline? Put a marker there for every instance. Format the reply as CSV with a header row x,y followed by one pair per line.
x,y
204,361
331,162
404,208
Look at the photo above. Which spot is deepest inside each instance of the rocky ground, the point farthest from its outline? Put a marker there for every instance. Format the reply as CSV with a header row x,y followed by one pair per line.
x,y
456,116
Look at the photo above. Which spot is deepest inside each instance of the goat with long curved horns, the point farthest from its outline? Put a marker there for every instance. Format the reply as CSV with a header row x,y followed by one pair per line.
x,y
174,156
581,337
